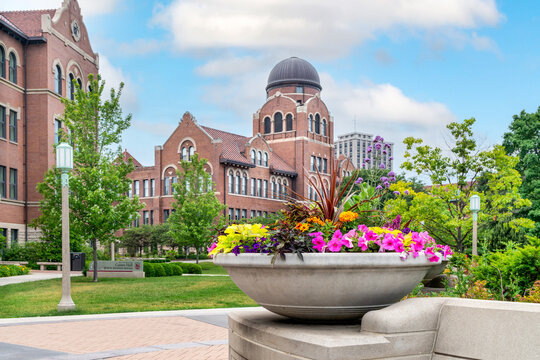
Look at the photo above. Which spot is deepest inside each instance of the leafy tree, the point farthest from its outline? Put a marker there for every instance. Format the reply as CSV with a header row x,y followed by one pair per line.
x,y
197,209
98,183
523,140
443,208
3,245
136,239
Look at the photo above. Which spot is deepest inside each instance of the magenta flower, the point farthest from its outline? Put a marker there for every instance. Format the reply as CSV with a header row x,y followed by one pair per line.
x,y
346,240
447,251
388,242
362,243
212,247
363,228
372,236
334,245
319,244
431,255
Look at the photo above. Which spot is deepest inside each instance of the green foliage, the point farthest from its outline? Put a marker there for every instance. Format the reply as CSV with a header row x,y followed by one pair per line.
x,y
189,268
98,183
149,270
523,140
168,269
159,270
13,270
444,207
198,211
176,269
33,252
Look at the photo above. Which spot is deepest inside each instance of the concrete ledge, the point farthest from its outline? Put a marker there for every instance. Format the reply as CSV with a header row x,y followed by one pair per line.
x,y
115,274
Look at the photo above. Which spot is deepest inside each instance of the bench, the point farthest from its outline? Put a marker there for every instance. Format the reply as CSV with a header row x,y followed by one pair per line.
x,y
13,262
42,265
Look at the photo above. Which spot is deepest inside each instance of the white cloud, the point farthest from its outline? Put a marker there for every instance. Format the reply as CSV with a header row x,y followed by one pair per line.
x,y
307,26
113,76
88,7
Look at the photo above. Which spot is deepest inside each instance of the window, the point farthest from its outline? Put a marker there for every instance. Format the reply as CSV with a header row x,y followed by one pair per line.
x,y
3,182
3,232
237,214
288,121
259,187
284,189
299,89
259,213
231,182
184,154
136,187
280,190
312,163
166,186
12,68
152,187
71,87
191,152
311,123
136,222
151,217
319,167
244,184
2,122
166,214
265,213
14,237
317,124
2,62
13,126
259,156
325,166
146,189
130,191
278,122
237,183
244,213
265,188
231,213
13,184
324,127
146,218
174,180
265,159
253,156
57,129
58,80
267,125
252,214
253,189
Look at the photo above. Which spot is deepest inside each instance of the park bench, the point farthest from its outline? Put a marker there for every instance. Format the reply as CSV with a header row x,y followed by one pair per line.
x,y
42,265
13,262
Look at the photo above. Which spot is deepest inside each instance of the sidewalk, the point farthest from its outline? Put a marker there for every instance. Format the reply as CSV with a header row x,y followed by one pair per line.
x,y
186,334
35,275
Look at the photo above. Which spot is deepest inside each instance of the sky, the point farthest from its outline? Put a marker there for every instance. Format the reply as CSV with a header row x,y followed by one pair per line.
x,y
394,68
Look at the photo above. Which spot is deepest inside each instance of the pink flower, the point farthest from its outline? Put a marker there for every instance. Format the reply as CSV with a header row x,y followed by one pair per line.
x,y
431,255
362,243
372,236
447,251
319,244
388,242
346,240
334,245
363,228
212,247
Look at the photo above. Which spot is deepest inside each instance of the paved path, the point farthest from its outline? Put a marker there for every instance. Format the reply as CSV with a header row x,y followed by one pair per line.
x,y
187,334
35,276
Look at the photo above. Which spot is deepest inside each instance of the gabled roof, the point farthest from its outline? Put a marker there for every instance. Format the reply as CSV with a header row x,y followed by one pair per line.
x,y
126,156
28,21
234,146
278,166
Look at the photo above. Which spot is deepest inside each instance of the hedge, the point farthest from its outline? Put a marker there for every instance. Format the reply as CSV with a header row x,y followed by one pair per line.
x,y
13,270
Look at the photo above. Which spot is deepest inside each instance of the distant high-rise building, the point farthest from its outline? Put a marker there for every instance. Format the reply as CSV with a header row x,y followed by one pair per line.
x,y
356,146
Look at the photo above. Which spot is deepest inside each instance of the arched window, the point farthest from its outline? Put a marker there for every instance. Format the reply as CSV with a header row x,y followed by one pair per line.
x,y
58,79
317,124
184,154
244,184
265,159
273,188
285,189
71,87
231,182
311,122
237,183
191,152
253,156
324,127
278,122
259,156
12,68
2,62
288,120
280,190
267,125
80,83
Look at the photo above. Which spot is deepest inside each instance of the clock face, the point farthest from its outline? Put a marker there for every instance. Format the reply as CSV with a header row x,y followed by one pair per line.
x,y
75,30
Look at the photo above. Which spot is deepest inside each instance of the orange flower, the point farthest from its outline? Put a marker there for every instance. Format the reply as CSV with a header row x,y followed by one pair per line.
x,y
315,220
347,216
302,227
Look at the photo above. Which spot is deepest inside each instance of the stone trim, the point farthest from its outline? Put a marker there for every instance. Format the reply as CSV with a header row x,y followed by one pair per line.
x,y
300,138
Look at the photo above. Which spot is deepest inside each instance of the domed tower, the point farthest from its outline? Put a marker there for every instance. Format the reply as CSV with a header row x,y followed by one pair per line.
x,y
295,121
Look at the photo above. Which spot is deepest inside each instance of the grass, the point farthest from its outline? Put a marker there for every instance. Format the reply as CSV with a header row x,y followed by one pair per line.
x,y
211,268
40,298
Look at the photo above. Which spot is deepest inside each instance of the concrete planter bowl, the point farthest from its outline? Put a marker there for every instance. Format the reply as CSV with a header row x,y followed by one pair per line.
x,y
339,287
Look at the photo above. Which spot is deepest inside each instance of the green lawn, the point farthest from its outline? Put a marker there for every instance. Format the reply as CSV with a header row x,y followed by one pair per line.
x,y
211,268
40,298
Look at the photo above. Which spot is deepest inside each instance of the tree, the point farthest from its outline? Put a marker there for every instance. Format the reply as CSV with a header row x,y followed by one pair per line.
x,y
444,207
196,208
523,140
98,183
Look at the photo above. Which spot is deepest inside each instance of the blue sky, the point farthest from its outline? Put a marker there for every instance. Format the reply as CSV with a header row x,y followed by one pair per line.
x,y
399,67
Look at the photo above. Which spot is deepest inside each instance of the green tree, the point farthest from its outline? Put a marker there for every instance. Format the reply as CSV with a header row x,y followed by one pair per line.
x,y
196,208
444,207
523,140
98,183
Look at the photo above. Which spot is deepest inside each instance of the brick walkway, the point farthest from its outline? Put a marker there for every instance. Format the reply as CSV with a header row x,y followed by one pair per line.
x,y
162,337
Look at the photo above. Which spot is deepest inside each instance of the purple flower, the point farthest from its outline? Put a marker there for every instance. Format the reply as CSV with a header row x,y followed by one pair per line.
x,y
397,193
387,146
384,178
359,180
406,192
391,158
377,138
406,230
384,151
381,139
378,146
379,187
387,184
366,160
236,250
391,174
382,166
369,149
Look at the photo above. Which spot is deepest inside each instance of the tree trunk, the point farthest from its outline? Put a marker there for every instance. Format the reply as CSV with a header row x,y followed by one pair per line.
x,y
459,241
197,252
94,246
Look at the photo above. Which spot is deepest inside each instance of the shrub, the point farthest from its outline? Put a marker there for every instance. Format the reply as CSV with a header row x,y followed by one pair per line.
x,y
13,270
201,256
168,269
171,254
149,270
191,268
177,269
159,270
533,294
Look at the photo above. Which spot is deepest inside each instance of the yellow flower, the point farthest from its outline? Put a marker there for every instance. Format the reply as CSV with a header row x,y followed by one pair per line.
x,y
315,220
302,227
347,216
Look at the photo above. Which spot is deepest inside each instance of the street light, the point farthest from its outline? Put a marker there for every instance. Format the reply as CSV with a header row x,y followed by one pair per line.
x,y
64,162
475,208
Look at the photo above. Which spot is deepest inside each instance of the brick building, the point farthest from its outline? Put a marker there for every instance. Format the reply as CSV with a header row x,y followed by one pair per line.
x,y
356,147
292,136
41,53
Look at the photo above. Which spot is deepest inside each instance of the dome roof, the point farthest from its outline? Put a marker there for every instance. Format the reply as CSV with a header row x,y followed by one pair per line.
x,y
293,71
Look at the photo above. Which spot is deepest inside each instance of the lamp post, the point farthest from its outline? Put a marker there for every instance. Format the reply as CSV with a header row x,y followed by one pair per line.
x,y
64,162
475,208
